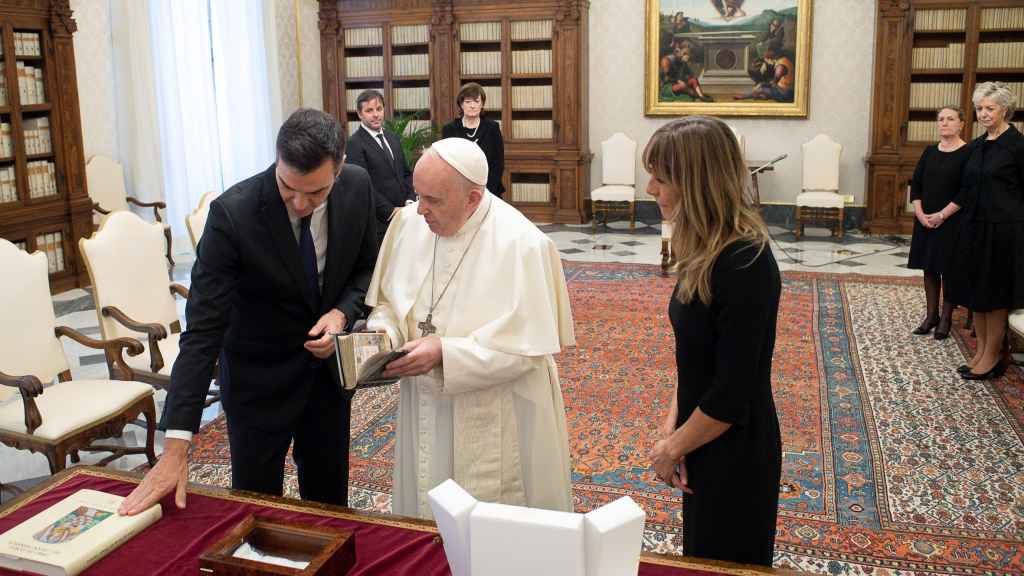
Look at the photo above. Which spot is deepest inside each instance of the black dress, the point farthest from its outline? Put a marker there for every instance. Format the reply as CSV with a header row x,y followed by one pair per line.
x,y
724,362
988,261
487,135
936,182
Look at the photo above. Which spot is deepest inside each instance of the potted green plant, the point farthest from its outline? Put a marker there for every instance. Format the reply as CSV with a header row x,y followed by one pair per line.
x,y
414,139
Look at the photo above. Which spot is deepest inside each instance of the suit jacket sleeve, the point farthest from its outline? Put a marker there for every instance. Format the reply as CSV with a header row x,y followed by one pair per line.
x,y
496,162
214,287
356,154
353,294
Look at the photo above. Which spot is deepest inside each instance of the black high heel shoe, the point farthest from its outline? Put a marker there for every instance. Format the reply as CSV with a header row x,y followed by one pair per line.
x,y
942,329
926,326
963,369
997,371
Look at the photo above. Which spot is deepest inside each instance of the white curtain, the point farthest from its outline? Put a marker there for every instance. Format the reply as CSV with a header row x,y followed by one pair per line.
x,y
212,98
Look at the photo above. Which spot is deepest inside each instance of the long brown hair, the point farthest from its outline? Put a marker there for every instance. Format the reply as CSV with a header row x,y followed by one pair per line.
x,y
699,157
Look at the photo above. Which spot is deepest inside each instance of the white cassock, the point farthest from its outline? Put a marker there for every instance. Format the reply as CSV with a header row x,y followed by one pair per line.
x,y
491,417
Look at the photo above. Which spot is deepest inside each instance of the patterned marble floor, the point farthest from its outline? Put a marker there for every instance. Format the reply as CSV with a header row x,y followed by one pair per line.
x,y
854,253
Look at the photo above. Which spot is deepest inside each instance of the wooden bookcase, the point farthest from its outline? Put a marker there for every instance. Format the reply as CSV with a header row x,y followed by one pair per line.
x,y
530,56
43,200
931,53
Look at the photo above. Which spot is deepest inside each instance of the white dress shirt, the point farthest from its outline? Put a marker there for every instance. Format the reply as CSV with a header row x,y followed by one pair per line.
x,y
373,134
318,228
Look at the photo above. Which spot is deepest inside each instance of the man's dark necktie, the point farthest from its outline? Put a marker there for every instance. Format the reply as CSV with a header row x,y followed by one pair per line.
x,y
380,136
308,251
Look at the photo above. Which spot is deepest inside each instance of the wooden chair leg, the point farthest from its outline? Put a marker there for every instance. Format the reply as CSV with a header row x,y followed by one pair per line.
x,y
74,457
57,458
167,233
839,224
632,216
150,413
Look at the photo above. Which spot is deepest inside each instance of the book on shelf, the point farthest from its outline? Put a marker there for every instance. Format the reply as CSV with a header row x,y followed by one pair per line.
x,y
934,95
531,97
410,65
481,63
417,98
1002,19
8,185
410,34
946,57
414,125
943,20
531,61
525,30
6,142
3,84
531,129
71,535
364,66
1001,55
493,97
363,37
480,32
531,192
27,44
361,358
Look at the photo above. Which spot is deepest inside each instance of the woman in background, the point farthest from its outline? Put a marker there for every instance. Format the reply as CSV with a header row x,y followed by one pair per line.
x,y
472,126
936,182
720,439
988,261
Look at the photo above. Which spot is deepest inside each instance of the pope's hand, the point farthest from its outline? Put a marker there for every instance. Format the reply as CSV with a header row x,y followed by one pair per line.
x,y
170,473
424,354
331,323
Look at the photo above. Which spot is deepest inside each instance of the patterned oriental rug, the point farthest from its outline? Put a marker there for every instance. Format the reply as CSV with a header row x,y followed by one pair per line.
x,y
892,464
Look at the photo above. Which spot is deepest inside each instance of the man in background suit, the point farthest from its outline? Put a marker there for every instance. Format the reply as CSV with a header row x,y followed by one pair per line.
x,y
380,153
283,264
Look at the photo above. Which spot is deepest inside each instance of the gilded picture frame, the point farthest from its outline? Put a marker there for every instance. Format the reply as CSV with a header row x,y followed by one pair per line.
x,y
727,57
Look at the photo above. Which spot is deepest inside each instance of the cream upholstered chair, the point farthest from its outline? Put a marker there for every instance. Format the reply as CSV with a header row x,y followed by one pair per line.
x,y
618,180
196,221
105,180
133,294
820,199
61,419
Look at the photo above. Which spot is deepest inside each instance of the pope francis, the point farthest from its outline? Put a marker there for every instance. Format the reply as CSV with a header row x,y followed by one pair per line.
x,y
475,293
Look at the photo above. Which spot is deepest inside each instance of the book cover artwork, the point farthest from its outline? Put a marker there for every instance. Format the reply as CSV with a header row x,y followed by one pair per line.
x,y
72,525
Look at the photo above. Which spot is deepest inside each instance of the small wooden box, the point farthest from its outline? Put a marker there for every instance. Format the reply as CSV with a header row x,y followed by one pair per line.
x,y
329,551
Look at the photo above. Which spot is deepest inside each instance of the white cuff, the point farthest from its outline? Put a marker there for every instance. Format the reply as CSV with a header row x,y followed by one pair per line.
x,y
179,434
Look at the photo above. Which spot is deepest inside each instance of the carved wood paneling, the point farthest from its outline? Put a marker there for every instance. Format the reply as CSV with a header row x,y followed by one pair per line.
x,y
566,157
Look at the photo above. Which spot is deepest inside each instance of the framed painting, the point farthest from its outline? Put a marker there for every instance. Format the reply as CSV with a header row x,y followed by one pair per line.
x,y
727,57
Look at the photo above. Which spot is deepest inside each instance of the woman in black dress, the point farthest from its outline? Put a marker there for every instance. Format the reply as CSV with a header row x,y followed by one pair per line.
x,y
472,126
988,261
720,440
936,182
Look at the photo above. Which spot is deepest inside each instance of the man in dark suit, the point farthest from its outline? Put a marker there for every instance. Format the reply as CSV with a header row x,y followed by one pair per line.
x,y
380,153
283,264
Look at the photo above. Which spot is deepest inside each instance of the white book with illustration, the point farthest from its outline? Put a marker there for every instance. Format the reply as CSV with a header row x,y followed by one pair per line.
x,y
71,535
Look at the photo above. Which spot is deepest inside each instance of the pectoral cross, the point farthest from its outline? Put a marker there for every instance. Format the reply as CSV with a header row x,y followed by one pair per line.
x,y
427,327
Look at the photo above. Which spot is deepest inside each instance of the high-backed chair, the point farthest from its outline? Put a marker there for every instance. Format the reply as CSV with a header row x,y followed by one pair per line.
x,y
133,294
105,180
59,419
196,221
618,180
820,200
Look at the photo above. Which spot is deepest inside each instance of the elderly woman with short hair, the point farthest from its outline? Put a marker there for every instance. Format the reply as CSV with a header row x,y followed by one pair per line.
x,y
988,262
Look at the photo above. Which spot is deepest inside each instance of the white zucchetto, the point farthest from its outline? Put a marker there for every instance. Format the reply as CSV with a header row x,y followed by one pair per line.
x,y
466,157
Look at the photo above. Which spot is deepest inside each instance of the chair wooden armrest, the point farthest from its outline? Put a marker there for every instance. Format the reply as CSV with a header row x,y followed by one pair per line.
x,y
114,349
179,290
153,330
156,206
96,206
30,387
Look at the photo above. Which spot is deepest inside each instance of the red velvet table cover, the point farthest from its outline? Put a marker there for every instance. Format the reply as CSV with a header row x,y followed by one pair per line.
x,y
172,546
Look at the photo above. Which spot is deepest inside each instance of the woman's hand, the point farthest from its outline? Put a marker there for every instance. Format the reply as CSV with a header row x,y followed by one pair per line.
x,y
669,468
924,219
935,219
